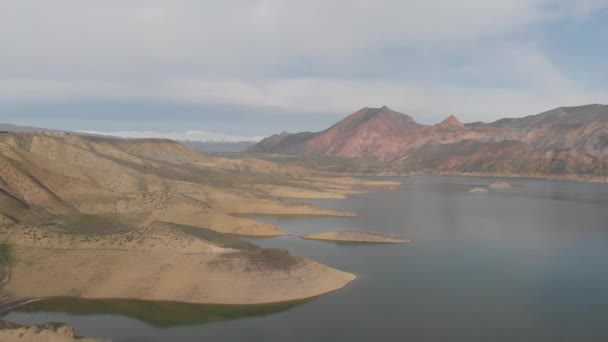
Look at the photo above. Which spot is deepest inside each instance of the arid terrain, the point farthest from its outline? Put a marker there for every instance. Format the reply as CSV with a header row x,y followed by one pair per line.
x,y
49,332
567,142
105,218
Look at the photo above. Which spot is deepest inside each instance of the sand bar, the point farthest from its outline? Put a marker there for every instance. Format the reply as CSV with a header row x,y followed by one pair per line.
x,y
356,236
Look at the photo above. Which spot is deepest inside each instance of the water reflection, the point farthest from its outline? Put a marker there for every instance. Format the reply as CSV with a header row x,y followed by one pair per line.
x,y
520,264
158,314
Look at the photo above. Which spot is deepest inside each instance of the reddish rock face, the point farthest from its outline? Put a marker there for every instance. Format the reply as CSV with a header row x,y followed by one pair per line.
x,y
451,124
376,133
564,140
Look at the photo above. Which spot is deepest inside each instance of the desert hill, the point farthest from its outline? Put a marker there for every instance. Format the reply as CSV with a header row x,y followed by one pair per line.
x,y
95,217
5,127
162,262
63,174
563,141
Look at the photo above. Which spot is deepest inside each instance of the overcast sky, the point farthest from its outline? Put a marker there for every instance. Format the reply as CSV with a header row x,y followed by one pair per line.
x,y
252,68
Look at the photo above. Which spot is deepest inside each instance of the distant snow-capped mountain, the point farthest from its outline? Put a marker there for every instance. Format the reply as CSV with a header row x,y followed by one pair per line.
x,y
193,136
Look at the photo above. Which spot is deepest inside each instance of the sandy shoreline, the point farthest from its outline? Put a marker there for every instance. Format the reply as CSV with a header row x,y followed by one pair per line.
x,y
355,236
565,178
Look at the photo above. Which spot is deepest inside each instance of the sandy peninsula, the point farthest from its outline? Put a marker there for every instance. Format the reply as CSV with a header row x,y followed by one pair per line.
x,y
356,236
478,190
162,262
296,193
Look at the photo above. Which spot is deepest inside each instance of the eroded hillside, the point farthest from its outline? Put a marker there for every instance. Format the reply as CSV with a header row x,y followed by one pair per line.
x,y
94,217
47,176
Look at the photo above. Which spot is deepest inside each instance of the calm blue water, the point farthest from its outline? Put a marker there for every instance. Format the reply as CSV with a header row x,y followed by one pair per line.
x,y
521,264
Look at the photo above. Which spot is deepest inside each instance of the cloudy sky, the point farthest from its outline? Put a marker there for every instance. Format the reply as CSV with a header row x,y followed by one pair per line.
x,y
255,67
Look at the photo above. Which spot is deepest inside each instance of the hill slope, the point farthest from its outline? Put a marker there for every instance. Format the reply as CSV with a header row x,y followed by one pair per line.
x,y
96,217
567,140
57,174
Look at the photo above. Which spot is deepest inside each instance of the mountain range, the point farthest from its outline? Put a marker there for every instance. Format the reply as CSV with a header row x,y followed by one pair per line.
x,y
5,127
205,146
566,140
217,146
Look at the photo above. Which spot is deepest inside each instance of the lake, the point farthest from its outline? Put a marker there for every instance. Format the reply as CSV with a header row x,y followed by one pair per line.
x,y
527,263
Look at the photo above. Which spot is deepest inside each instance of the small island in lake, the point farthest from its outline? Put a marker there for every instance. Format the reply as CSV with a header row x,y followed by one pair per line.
x,y
500,185
478,190
355,236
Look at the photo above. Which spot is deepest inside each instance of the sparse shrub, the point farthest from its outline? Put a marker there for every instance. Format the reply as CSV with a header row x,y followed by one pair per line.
x,y
54,325
6,252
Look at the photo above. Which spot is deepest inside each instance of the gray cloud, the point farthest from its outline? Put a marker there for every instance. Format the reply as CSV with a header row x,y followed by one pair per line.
x,y
473,57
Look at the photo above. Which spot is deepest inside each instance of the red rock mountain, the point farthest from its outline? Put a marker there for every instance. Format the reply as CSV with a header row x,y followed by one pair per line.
x,y
561,141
